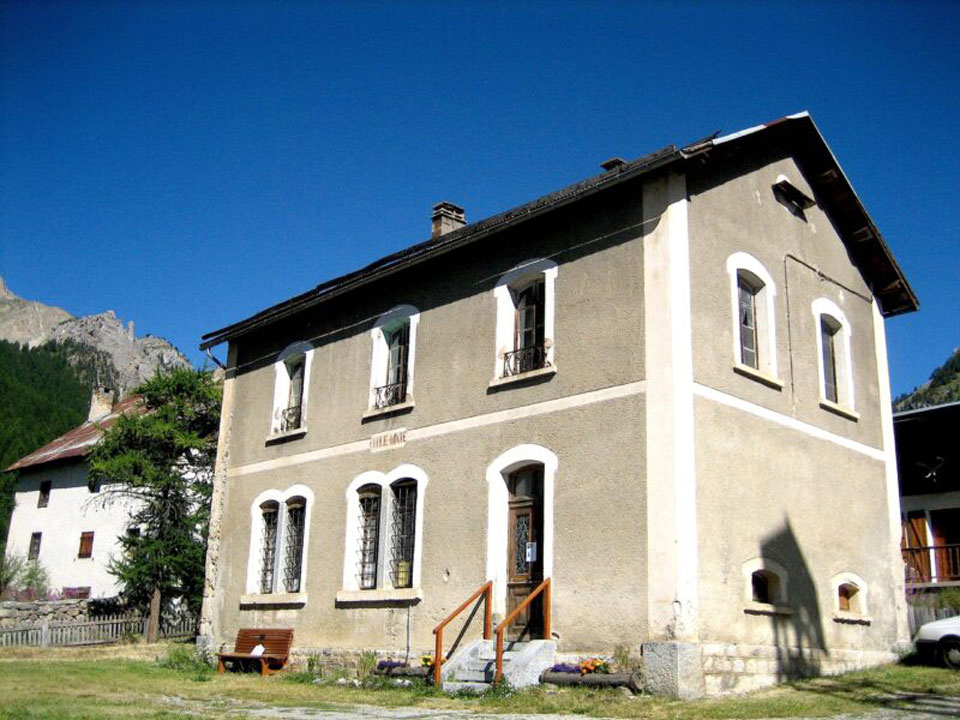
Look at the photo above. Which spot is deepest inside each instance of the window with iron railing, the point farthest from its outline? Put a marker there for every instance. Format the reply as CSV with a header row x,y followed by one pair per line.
x,y
392,338
291,417
369,537
529,349
403,529
268,549
293,544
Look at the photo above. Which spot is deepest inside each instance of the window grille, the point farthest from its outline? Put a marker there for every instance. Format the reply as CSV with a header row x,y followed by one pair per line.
x,y
269,548
828,334
293,547
369,537
748,323
404,522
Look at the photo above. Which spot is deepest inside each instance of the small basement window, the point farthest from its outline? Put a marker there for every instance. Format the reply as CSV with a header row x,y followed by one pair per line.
x,y
765,586
86,545
849,597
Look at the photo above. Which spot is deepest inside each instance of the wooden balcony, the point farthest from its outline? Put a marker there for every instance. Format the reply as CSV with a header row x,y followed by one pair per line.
x,y
932,564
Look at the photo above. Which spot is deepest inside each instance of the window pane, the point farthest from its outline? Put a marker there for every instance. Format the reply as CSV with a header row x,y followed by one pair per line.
x,y
404,533
827,339
748,324
34,546
398,343
292,414
268,552
369,538
293,552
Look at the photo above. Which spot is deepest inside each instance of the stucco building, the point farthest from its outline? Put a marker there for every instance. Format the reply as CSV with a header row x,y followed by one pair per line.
x,y
665,388
58,517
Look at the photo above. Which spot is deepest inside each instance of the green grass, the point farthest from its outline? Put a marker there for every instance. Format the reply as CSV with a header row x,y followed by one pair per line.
x,y
155,682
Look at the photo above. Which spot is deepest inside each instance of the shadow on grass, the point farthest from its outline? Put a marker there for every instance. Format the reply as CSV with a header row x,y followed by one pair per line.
x,y
909,696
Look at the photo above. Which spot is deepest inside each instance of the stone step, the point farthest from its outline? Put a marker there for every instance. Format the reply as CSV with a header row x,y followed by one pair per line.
x,y
474,687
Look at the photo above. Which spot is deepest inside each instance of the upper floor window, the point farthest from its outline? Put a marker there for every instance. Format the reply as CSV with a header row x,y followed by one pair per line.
x,y
292,375
384,528
394,350
525,334
834,363
278,541
44,499
752,293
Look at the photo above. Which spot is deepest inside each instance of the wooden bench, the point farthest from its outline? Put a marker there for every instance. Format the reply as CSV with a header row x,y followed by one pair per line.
x,y
276,643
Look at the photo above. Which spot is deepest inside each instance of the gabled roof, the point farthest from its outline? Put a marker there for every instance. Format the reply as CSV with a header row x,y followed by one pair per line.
x,y
79,441
800,134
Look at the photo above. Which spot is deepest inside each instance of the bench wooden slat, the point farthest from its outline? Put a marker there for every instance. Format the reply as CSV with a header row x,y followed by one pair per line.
x,y
276,643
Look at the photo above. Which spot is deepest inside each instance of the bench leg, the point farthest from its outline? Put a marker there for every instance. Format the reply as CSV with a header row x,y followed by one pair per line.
x,y
264,668
221,666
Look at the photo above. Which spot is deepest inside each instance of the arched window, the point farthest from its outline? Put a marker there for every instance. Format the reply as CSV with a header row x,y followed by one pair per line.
x,y
279,538
368,539
384,535
849,595
525,336
292,375
394,340
765,583
268,545
752,294
834,362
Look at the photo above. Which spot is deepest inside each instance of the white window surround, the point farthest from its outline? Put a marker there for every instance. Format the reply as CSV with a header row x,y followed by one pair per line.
x,y
858,614
520,276
281,388
766,318
779,605
497,513
384,591
381,355
843,359
253,595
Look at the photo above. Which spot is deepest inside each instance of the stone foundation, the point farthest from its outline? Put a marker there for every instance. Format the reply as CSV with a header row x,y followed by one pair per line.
x,y
731,668
14,614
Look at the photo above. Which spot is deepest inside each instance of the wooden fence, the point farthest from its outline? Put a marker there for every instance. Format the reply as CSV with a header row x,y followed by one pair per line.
x,y
917,615
108,629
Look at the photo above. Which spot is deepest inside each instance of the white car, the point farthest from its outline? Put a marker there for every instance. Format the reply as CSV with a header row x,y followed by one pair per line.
x,y
941,639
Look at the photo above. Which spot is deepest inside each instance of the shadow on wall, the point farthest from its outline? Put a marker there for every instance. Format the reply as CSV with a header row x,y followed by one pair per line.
x,y
798,636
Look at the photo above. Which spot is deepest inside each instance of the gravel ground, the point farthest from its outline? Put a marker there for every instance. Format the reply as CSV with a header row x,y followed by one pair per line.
x,y
898,707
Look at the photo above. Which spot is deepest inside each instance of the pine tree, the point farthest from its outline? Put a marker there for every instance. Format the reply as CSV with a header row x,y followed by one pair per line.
x,y
162,459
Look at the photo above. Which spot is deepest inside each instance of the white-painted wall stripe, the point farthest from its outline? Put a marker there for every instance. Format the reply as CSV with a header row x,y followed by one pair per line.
x,y
787,421
548,406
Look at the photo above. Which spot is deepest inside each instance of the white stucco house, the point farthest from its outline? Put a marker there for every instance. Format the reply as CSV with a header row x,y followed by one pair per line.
x,y
56,518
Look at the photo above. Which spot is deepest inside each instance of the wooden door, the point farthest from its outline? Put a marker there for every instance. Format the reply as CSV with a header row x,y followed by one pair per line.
x,y
915,537
525,551
945,528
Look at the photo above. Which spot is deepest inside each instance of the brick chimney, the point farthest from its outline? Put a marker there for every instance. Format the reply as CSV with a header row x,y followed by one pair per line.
x,y
101,403
446,217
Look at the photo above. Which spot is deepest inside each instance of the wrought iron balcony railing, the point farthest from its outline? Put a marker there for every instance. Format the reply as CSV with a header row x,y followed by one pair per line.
x,y
387,395
524,360
932,563
290,418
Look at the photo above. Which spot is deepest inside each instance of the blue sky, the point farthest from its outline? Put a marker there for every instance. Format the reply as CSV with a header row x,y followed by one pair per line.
x,y
187,164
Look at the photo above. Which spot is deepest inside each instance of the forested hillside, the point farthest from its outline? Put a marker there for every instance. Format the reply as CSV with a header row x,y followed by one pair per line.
x,y
943,387
41,397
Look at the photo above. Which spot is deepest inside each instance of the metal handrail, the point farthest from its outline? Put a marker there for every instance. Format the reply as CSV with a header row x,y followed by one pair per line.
x,y
525,359
544,588
944,566
487,590
392,394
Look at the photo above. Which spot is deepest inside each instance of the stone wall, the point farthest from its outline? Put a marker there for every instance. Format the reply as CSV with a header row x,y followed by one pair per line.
x,y
742,668
16,614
